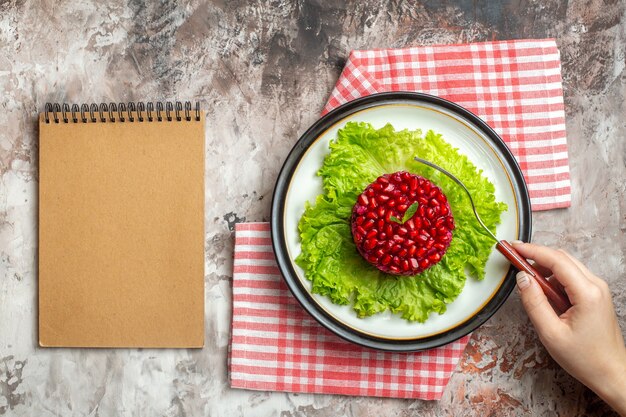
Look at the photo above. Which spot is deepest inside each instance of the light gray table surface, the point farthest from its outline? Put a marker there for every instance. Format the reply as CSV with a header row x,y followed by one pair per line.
x,y
263,71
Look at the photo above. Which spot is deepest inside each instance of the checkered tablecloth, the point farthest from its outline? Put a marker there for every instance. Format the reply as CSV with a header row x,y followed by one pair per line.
x,y
515,86
277,346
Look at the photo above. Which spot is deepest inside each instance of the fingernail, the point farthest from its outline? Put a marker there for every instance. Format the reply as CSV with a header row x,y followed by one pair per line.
x,y
516,242
523,280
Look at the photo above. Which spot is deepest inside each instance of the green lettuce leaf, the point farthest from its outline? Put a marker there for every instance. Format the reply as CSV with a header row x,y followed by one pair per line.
x,y
329,257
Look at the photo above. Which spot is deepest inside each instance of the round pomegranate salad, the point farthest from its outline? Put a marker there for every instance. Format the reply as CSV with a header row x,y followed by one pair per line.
x,y
402,223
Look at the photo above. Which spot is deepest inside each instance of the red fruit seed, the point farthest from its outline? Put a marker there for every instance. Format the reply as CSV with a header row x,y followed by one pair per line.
x,y
402,248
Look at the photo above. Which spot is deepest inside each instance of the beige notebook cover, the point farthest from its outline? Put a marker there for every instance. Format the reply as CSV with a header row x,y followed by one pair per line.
x,y
121,229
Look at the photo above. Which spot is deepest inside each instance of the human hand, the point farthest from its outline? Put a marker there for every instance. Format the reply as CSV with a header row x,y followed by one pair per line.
x,y
586,339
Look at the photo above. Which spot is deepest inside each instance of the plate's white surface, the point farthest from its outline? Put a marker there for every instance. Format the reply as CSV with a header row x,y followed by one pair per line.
x,y
461,134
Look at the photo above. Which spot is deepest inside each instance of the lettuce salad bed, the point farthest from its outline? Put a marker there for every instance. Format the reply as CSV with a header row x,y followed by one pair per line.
x,y
329,257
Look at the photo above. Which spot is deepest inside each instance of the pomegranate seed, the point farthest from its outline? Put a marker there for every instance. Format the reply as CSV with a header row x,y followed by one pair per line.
x,y
405,264
450,222
411,247
398,239
370,243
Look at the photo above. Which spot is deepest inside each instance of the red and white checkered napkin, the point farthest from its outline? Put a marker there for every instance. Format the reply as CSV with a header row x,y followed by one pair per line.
x,y
515,86
277,346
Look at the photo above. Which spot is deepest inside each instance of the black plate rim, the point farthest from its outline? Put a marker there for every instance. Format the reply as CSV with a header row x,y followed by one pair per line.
x,y
278,233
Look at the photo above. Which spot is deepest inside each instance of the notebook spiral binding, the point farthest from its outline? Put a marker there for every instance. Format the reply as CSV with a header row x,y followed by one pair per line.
x,y
125,112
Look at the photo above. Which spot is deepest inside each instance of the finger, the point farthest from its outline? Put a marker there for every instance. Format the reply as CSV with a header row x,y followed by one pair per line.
x,y
553,281
590,275
542,269
537,306
548,273
565,271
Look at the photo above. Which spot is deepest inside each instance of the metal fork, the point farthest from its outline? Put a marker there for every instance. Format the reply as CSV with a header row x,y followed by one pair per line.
x,y
559,301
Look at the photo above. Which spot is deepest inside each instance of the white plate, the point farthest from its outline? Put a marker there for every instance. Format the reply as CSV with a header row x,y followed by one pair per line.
x,y
463,131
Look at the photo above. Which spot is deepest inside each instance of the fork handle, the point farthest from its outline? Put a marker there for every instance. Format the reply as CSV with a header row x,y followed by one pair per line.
x,y
559,301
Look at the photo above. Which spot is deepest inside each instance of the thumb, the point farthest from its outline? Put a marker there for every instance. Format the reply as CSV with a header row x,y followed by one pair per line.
x,y
539,310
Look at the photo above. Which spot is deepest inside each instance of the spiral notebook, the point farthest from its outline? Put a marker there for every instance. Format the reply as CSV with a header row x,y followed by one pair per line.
x,y
121,225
